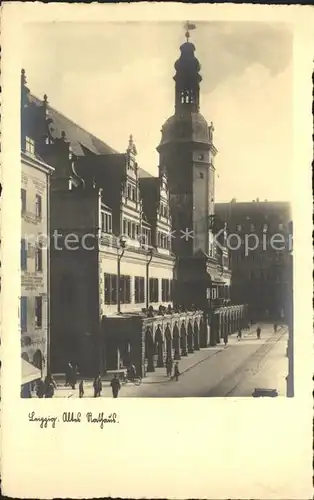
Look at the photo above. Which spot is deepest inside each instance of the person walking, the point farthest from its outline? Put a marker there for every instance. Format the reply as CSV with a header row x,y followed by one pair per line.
x,y
226,339
81,389
275,327
239,336
169,367
115,386
40,388
73,380
50,386
97,386
176,371
258,332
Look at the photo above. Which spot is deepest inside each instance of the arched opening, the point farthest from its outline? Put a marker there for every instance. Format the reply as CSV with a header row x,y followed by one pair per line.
x,y
38,360
190,338
149,349
196,336
159,347
184,351
168,343
176,342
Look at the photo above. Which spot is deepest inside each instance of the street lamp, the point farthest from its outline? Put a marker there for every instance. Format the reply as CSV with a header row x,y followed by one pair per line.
x,y
150,256
122,245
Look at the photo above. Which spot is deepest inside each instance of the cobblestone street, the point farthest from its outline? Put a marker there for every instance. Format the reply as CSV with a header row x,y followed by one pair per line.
x,y
235,370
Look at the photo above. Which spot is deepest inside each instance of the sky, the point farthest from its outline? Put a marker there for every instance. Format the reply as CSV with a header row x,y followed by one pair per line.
x,y
116,79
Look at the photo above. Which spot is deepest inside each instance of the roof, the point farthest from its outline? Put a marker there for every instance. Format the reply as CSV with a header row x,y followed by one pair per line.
x,y
79,138
238,210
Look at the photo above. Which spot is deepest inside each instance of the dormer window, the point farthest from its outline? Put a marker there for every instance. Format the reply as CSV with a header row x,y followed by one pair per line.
x,y
29,145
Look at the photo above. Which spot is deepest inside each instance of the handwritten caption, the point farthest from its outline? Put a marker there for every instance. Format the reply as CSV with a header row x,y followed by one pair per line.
x,y
70,417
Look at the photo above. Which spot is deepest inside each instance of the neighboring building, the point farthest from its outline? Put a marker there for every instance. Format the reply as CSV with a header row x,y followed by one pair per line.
x,y
113,255
35,295
260,276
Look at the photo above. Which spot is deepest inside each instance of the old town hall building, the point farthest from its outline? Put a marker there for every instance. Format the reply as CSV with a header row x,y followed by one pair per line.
x,y
135,274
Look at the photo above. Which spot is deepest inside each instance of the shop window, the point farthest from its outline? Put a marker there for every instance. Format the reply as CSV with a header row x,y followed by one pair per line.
x,y
23,200
38,312
153,290
39,257
139,289
38,206
165,290
23,255
23,314
125,289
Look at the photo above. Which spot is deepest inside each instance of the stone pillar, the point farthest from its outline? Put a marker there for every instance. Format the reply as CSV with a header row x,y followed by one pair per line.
x,y
196,337
190,339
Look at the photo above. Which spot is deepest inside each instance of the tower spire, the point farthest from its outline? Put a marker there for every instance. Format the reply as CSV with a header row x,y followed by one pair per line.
x,y
188,27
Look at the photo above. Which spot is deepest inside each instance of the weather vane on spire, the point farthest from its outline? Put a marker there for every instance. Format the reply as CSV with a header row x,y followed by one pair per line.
x,y
188,27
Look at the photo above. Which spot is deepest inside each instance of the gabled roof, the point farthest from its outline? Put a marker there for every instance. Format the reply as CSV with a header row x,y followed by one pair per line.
x,y
75,134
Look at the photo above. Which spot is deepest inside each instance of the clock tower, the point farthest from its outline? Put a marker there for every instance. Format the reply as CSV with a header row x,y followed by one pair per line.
x,y
187,155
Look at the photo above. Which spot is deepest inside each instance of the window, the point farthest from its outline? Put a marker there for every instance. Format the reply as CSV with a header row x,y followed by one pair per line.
x,y
252,227
106,222
165,290
38,311
125,289
23,200
201,157
163,240
38,206
29,145
129,191
39,257
139,289
239,227
265,227
110,289
133,194
146,233
23,314
23,255
280,226
153,290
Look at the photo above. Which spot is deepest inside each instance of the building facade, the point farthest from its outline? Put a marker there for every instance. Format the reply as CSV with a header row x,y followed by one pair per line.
x,y
35,260
128,283
260,237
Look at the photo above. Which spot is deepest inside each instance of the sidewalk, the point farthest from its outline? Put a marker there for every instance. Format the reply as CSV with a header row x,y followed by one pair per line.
x,y
159,375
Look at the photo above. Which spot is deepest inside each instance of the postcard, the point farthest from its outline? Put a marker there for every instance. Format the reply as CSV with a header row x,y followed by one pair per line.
x,y
156,249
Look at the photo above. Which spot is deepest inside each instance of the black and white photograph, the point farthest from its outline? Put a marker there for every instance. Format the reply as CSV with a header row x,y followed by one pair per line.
x,y
156,247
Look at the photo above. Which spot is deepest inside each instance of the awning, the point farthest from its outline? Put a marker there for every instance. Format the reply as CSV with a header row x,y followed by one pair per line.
x,y
29,372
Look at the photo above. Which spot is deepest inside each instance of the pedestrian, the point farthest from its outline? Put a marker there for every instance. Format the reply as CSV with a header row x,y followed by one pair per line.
x,y
40,388
226,339
275,327
50,386
258,332
68,374
73,380
169,367
95,385
115,386
176,371
239,334
81,388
